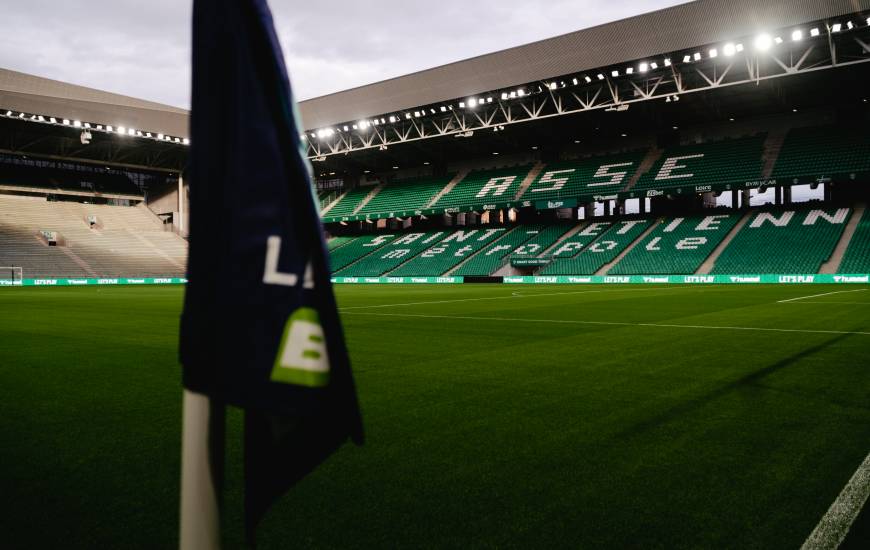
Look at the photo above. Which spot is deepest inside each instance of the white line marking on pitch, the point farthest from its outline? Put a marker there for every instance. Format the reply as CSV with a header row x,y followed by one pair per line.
x,y
513,295
818,295
835,524
608,323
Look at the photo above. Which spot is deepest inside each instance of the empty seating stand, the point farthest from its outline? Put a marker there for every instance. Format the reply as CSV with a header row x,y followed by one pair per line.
x,y
485,186
587,177
349,202
356,249
823,151
491,258
677,245
446,254
706,164
390,256
604,249
857,257
784,241
399,196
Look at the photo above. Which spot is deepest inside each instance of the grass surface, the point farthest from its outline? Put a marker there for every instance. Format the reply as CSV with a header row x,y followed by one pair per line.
x,y
518,425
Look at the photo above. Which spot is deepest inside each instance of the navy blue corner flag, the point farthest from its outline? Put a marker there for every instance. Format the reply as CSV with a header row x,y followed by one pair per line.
x,y
260,329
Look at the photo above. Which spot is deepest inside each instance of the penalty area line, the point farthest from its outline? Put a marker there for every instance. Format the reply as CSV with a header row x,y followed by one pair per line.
x,y
819,295
835,524
604,323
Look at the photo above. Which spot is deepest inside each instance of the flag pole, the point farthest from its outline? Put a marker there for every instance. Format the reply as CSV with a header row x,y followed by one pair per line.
x,y
202,454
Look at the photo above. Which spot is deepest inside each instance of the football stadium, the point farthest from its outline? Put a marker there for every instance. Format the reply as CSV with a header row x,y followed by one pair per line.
x,y
610,289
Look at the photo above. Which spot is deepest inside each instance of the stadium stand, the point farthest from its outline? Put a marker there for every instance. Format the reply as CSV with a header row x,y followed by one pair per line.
x,y
449,252
398,196
350,201
857,257
48,179
584,177
784,240
704,164
602,250
484,186
570,247
823,151
336,242
546,237
488,260
392,255
124,241
676,246
356,249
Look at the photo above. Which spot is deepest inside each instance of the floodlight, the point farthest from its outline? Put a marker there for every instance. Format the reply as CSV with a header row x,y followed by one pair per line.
x,y
65,121
600,76
345,127
185,141
521,92
814,31
653,65
392,119
763,42
504,96
109,129
489,100
714,53
443,109
588,79
697,56
629,70
53,120
614,73
575,82
687,58
131,132
472,103
8,113
836,27
729,49
778,40
739,47
644,67
849,25
553,85
77,123
797,35
667,62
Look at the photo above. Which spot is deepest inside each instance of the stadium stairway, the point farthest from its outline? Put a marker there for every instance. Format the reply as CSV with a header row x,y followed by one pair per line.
x,y
530,177
772,147
833,264
652,157
392,255
492,258
334,202
594,255
707,266
565,237
857,256
449,187
357,249
608,266
450,252
362,204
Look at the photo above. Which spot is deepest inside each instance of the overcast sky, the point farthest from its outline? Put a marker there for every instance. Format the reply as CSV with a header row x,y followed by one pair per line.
x,y
142,49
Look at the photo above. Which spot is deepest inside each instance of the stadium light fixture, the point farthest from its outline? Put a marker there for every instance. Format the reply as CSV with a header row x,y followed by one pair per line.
x,y
697,56
489,99
739,47
588,79
185,141
432,110
148,134
797,35
667,62
504,96
177,140
653,65
687,58
778,40
575,81
763,42
868,21
425,163
714,53
392,119
345,128
443,109
534,147
836,27
99,126
8,113
600,76
729,49
52,120
395,167
629,70
40,118
644,67
495,153
814,32
521,92
472,103
131,132
462,105
65,121
553,85
139,133
77,123
614,73
849,25
407,117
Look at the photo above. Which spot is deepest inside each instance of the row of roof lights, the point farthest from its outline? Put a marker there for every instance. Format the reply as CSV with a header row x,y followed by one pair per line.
x,y
763,42
117,130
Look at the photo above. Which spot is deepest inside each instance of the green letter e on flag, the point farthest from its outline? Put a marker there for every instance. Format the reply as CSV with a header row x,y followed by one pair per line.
x,y
302,357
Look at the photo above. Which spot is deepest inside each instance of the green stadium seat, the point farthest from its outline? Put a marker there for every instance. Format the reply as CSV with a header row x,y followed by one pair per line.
x,y
405,195
349,202
356,249
601,251
823,151
677,245
784,241
857,257
491,258
485,186
603,175
449,252
390,256
706,164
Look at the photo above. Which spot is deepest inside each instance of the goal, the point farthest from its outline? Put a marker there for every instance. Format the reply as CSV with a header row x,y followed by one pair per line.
x,y
11,275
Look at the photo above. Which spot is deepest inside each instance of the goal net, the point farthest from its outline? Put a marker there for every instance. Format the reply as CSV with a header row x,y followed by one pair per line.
x,y
10,275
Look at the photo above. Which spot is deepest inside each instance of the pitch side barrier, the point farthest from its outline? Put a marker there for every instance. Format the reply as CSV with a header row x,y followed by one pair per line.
x,y
90,282
621,279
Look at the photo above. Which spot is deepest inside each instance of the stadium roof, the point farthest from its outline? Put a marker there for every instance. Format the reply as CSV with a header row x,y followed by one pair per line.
x,y
34,94
667,30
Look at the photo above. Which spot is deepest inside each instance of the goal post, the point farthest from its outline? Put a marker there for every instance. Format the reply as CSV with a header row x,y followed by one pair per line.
x,y
11,275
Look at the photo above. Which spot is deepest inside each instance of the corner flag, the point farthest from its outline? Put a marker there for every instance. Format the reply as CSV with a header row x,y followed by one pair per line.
x,y
260,329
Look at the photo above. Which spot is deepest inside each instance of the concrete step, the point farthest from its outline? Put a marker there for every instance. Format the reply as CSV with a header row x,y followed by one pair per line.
x,y
607,267
833,263
708,264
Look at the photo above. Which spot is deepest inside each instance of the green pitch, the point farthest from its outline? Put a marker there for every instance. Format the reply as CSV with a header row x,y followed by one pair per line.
x,y
496,416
